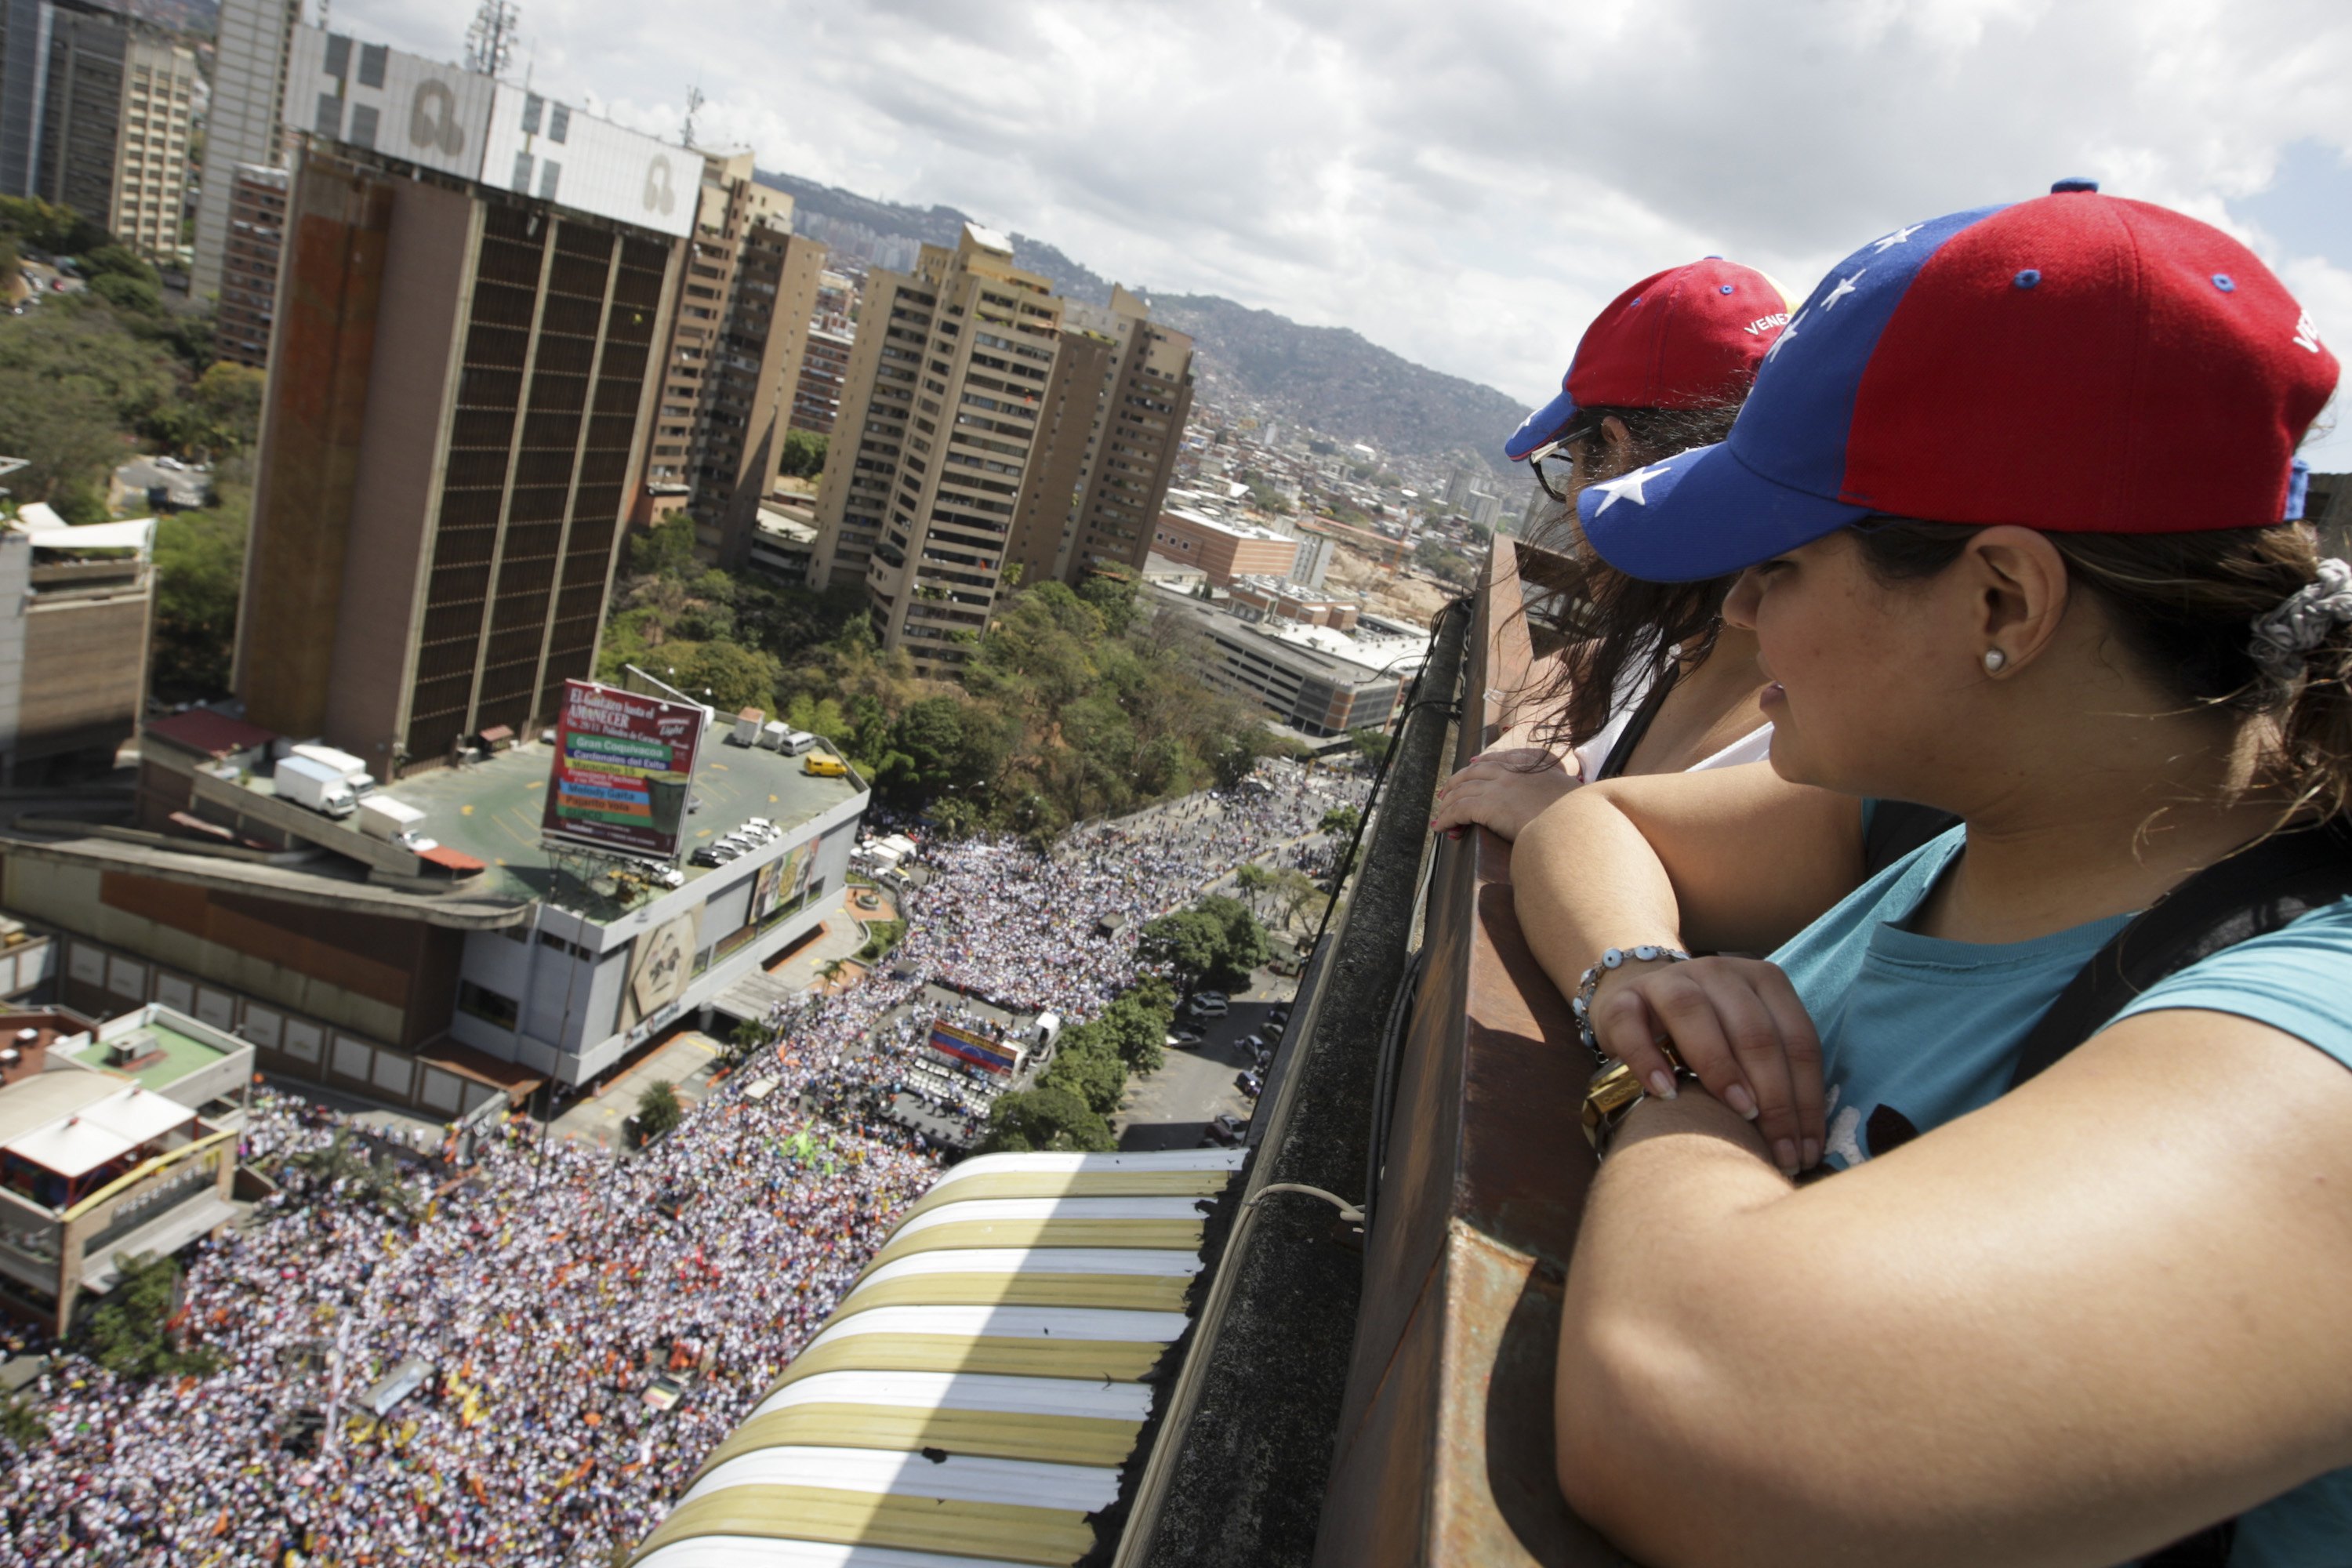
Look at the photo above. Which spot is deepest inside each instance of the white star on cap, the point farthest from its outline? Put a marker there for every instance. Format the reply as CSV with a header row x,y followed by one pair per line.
x,y
1628,487
1781,342
1900,237
1845,286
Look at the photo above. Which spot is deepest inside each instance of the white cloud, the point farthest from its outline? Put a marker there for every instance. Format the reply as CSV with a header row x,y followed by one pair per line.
x,y
1466,183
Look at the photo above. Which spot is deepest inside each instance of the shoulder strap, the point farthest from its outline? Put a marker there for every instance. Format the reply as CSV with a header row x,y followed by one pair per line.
x,y
1896,828
1620,753
2258,890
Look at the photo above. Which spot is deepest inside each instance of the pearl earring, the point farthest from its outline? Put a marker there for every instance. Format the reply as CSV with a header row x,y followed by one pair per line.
x,y
1995,660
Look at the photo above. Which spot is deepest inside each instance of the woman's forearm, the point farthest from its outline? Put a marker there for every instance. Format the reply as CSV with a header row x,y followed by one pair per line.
x,y
1583,879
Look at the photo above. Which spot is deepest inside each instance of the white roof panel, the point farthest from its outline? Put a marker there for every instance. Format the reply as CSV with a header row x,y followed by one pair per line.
x,y
765,1552
982,1210
960,1478
1091,1398
1008,1323
106,1130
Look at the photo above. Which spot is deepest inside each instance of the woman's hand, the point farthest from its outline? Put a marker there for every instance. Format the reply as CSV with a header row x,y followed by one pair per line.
x,y
1735,1021
1502,790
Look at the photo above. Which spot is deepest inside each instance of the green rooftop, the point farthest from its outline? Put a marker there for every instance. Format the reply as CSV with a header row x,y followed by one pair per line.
x,y
491,809
182,1055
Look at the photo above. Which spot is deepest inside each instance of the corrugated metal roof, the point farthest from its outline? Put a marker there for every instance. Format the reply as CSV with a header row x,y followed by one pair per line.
x,y
975,1397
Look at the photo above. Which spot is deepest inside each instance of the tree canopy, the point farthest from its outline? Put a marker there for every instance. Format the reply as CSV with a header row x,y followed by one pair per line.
x,y
1050,1117
1218,940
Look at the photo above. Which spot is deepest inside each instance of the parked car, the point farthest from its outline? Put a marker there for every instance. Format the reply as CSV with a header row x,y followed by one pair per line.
x,y
1209,1008
1256,1043
1187,1035
1226,1130
1248,1083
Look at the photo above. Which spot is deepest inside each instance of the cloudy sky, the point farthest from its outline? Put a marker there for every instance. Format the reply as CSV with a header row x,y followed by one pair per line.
x,y
1467,183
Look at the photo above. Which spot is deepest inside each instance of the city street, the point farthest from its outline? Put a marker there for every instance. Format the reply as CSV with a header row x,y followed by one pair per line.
x,y
1173,1107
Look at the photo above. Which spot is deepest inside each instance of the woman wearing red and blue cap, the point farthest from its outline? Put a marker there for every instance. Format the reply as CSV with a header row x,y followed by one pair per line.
x,y
2012,504
1652,684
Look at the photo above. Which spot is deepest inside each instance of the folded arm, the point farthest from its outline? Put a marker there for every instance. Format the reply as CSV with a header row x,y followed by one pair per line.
x,y
2089,1319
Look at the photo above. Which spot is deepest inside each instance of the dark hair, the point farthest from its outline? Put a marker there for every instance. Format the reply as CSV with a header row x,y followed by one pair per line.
x,y
1614,623
2183,608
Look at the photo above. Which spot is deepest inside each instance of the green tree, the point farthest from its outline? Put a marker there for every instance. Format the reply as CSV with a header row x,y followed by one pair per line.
x,y
1190,941
803,454
1048,1117
130,1334
1253,879
881,936
1340,821
220,416
1372,745
118,261
57,230
134,296
728,676
22,1424
199,573
1242,945
1113,597
658,1110
1086,1063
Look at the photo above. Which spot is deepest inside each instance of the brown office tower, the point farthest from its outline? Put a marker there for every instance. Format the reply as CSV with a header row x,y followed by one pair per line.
x,y
1114,421
940,421
456,399
732,362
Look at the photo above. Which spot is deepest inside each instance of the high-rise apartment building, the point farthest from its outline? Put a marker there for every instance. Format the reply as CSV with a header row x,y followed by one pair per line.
x,y
1117,412
825,372
243,125
248,264
106,130
732,364
985,422
937,428
457,399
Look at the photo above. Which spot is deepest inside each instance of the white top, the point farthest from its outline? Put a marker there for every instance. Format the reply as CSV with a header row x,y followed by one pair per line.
x,y
1752,747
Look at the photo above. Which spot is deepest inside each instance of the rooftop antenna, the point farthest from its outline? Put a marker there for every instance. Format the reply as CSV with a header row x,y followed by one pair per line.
x,y
693,107
490,41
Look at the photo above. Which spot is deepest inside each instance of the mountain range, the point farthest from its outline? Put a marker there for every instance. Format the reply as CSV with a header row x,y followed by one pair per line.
x,y
1331,379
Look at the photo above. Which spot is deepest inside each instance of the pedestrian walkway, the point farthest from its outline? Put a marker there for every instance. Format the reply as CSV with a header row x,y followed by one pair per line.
x,y
686,1059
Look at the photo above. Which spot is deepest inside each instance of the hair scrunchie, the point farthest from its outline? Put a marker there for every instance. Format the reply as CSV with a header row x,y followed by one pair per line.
x,y
2303,620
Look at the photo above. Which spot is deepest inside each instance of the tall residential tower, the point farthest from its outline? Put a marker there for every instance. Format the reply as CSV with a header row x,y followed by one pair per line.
x,y
732,360
940,421
986,423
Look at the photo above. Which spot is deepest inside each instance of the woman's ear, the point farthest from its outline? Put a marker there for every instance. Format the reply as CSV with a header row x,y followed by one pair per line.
x,y
2018,592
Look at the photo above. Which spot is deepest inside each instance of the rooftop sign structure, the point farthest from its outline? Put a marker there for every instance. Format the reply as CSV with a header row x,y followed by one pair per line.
x,y
623,765
477,128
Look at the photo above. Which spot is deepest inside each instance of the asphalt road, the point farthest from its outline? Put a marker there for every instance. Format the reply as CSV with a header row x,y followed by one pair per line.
x,y
1173,1107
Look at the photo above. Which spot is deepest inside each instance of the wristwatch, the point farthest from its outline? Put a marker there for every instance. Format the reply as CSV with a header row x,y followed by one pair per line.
x,y
1614,1091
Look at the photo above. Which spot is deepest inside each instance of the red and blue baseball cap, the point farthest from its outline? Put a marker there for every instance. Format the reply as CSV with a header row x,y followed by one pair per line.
x,y
1688,337
2076,363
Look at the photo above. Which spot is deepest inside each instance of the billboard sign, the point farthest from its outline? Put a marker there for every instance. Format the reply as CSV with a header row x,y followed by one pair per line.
x,y
541,148
951,1040
624,764
402,105
494,132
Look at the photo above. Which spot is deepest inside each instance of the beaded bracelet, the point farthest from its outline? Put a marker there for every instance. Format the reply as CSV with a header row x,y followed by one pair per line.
x,y
1581,1005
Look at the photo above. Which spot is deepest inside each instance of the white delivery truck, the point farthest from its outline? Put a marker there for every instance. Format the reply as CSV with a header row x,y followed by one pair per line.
x,y
315,784
381,817
354,771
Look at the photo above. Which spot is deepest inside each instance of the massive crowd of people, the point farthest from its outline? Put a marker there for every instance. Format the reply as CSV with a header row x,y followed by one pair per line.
x,y
549,1286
